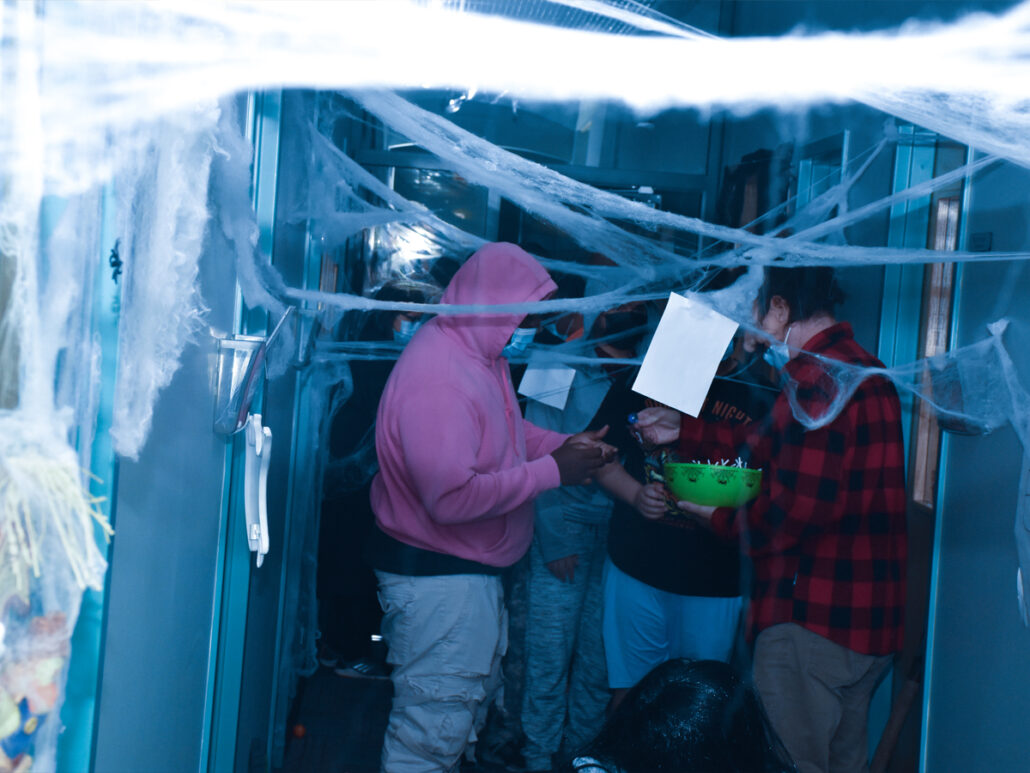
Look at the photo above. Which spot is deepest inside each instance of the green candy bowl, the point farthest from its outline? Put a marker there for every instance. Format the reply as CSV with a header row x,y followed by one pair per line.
x,y
712,484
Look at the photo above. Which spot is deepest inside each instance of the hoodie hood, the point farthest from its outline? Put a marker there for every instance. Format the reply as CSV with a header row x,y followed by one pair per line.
x,y
497,273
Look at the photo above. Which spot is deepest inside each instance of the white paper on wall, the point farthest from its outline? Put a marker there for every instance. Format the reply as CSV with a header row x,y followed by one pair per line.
x,y
548,384
684,354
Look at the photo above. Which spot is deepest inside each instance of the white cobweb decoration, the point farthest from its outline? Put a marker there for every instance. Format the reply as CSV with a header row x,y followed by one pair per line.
x,y
125,94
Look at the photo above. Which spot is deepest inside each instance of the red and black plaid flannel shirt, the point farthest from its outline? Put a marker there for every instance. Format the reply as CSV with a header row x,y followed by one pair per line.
x,y
827,533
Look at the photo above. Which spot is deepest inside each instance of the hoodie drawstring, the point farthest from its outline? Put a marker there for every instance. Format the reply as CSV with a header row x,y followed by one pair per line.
x,y
510,406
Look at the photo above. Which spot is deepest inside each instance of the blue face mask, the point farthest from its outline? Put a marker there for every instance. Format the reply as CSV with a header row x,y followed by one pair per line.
x,y
778,355
408,328
519,342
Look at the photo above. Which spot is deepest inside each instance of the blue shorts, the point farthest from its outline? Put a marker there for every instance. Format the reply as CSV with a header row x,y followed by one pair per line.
x,y
644,627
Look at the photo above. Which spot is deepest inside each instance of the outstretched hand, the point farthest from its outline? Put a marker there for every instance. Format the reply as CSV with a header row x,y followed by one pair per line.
x,y
657,426
595,438
578,461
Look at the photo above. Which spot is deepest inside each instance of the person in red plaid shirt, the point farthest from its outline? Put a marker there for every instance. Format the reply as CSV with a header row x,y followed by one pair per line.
x,y
827,532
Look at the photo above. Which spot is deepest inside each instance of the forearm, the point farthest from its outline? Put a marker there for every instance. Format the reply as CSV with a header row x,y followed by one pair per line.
x,y
540,441
614,479
487,495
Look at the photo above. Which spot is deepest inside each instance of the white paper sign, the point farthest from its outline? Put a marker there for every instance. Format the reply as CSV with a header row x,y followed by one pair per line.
x,y
548,384
684,354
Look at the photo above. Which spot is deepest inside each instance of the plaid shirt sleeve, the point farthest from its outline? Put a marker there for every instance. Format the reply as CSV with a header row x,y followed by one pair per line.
x,y
827,531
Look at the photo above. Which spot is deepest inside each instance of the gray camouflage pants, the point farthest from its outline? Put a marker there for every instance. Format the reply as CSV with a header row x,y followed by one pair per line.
x,y
566,690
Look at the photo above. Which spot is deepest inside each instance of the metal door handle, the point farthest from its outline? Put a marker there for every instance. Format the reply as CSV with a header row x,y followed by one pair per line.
x,y
255,485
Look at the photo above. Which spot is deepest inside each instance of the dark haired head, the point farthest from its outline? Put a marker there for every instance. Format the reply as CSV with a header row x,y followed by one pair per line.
x,y
379,324
690,716
809,291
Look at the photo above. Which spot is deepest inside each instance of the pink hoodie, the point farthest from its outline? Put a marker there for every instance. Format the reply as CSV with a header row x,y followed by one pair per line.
x,y
458,465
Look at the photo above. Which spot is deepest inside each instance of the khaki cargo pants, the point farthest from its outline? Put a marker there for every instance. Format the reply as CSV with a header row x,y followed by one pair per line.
x,y
445,636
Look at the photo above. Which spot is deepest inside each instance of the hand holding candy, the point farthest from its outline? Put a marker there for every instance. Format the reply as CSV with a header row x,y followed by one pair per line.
x,y
656,426
650,500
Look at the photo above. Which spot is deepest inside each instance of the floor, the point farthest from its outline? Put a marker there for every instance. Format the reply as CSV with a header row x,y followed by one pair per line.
x,y
339,724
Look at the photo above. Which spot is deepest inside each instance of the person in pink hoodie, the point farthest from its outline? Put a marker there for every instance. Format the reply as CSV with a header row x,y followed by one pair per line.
x,y
458,471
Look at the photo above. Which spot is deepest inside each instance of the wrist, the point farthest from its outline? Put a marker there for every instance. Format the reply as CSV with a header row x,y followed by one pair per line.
x,y
630,491
547,471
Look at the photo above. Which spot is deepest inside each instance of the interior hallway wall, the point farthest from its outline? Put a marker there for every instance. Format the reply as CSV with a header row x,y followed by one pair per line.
x,y
979,682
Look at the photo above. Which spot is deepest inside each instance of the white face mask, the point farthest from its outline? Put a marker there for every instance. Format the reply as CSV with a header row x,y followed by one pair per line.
x,y
519,342
778,355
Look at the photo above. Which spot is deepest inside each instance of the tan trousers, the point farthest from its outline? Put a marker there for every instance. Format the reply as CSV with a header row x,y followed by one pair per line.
x,y
817,695
445,637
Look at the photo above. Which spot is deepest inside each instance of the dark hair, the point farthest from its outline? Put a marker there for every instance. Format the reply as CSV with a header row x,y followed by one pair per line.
x,y
808,290
690,716
378,325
